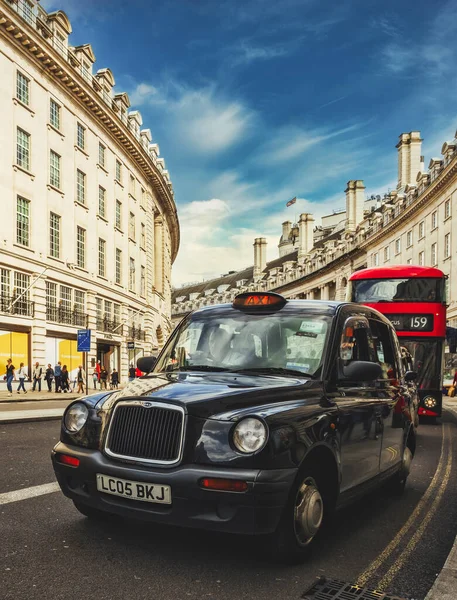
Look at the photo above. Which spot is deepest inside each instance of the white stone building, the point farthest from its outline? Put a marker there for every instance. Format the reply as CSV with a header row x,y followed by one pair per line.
x,y
414,224
89,229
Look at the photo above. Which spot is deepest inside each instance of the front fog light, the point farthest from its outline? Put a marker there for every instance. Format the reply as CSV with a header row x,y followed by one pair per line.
x,y
76,417
250,435
429,402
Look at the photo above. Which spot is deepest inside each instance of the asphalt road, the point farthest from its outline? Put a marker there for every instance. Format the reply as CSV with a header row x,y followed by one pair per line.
x,y
47,550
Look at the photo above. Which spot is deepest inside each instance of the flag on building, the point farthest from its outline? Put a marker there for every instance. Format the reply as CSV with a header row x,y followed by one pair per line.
x,y
291,202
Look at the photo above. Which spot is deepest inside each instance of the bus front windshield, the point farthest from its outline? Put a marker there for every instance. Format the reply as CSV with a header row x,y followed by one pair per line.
x,y
427,358
398,290
235,341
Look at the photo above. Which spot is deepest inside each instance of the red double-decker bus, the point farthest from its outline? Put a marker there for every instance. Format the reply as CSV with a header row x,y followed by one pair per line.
x,y
413,298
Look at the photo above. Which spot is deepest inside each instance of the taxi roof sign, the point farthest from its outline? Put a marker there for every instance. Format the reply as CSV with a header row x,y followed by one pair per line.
x,y
259,300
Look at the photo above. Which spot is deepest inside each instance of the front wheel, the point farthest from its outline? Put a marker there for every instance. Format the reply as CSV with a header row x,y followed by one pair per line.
x,y
398,482
300,523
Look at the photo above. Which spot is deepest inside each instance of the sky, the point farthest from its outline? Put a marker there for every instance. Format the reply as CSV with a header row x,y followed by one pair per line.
x,y
254,102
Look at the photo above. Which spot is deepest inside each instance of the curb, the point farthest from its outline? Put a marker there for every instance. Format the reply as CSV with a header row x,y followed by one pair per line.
x,y
47,399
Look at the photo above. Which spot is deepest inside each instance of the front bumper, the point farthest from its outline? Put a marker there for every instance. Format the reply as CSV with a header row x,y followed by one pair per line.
x,y
256,511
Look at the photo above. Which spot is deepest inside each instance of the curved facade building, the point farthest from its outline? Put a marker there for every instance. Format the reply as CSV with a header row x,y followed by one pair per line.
x,y
88,229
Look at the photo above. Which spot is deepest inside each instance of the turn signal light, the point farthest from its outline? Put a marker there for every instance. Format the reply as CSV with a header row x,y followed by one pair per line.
x,y
224,485
65,459
259,300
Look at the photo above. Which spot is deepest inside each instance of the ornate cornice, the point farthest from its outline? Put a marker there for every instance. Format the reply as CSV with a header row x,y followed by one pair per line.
x,y
28,40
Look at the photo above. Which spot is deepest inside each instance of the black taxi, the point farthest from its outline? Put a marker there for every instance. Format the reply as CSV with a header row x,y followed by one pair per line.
x,y
258,417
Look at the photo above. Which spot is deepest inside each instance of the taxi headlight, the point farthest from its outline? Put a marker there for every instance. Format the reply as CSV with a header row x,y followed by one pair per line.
x,y
250,435
75,417
430,402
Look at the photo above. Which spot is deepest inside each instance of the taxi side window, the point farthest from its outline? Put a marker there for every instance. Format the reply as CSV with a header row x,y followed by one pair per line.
x,y
385,351
357,341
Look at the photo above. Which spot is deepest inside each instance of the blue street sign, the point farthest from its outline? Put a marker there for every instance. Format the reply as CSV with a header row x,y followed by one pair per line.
x,y
83,340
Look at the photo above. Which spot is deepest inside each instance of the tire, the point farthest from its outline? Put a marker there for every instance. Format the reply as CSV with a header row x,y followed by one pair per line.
x,y
301,520
93,514
397,483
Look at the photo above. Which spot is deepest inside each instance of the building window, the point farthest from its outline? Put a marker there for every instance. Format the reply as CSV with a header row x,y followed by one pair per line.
x,y
132,226
132,274
398,246
117,314
101,257
375,259
80,186
79,306
101,154
65,303
143,199
434,254
23,149
118,171
118,266
132,185
434,220
60,43
81,136
409,261
99,305
51,301
143,281
54,114
101,201
81,247
22,88
54,169
409,239
21,283
421,258
421,229
27,11
386,253
143,236
54,235
447,245
23,221
5,275
447,209
118,214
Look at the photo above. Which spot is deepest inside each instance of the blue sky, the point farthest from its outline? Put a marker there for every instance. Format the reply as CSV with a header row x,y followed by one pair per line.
x,y
254,102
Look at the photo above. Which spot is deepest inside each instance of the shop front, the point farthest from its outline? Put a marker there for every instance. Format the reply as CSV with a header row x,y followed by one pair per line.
x,y
65,351
14,345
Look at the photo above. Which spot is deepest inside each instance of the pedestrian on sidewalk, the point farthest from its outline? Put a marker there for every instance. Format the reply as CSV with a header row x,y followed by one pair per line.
x,y
132,372
114,380
9,376
22,374
49,376
65,379
37,373
98,368
103,378
81,378
95,378
58,376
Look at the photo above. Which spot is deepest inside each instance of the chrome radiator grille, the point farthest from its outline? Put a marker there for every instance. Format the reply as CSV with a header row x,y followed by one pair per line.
x,y
146,431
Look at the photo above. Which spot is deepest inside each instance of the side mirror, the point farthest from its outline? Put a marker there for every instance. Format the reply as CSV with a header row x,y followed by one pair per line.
x,y
410,376
146,363
362,370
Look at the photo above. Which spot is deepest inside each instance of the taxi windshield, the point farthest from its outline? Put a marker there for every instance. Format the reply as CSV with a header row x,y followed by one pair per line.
x,y
275,343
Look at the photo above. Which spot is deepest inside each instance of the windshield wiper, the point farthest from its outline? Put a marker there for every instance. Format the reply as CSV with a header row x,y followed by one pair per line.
x,y
201,368
273,371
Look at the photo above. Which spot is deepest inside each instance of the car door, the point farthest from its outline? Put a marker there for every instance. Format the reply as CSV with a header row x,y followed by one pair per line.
x,y
392,393
358,406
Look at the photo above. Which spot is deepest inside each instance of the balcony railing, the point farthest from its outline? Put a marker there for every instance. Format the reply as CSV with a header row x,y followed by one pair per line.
x,y
75,318
22,307
136,333
108,326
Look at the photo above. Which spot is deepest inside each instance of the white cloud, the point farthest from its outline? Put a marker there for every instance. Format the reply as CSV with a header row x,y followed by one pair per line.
x,y
144,93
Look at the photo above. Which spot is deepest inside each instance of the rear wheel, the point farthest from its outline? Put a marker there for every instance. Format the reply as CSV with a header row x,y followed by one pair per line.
x,y
93,513
301,520
398,482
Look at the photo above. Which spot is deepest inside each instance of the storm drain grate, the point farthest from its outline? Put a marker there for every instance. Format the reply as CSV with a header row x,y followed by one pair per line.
x,y
334,589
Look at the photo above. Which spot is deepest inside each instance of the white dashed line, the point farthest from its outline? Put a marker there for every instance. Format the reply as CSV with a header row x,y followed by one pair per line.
x,y
31,492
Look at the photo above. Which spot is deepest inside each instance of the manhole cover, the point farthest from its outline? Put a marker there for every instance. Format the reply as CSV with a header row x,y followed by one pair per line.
x,y
334,589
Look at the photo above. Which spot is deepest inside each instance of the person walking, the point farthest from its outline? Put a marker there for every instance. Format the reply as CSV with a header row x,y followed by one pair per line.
x,y
21,374
65,379
81,378
95,378
58,377
132,372
9,376
98,369
114,379
49,376
37,373
103,378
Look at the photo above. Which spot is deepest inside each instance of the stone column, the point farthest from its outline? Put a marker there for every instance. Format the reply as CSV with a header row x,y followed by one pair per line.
x,y
38,342
325,292
310,295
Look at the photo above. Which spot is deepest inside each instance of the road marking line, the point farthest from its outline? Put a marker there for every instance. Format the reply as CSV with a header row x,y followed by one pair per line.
x,y
386,580
389,549
30,492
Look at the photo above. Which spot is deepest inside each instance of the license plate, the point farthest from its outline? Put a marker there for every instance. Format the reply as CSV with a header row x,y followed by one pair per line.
x,y
135,490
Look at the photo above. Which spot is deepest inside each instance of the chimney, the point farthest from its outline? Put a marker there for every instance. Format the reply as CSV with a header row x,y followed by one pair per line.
x,y
409,158
350,206
359,201
263,254
305,236
286,227
260,257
